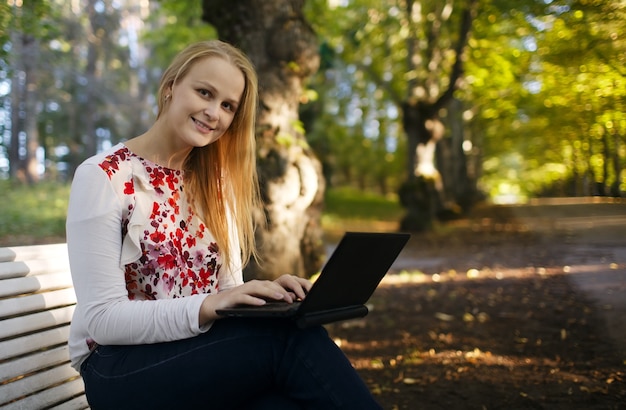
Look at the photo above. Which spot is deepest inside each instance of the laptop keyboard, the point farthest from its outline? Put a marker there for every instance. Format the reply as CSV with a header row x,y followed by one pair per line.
x,y
280,306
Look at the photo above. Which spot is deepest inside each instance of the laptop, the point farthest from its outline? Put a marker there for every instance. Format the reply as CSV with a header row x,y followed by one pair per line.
x,y
345,284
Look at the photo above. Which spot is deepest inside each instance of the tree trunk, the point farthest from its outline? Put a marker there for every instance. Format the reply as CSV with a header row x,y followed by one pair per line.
x,y
31,59
17,111
459,187
282,46
423,193
617,168
91,73
24,131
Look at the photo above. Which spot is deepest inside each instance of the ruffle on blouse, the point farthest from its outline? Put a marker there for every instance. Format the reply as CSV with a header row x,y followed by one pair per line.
x,y
139,217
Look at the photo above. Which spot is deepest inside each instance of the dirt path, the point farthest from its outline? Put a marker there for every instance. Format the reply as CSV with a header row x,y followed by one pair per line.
x,y
521,308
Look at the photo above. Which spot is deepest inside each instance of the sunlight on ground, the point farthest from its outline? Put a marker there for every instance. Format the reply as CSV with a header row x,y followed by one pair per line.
x,y
416,276
467,361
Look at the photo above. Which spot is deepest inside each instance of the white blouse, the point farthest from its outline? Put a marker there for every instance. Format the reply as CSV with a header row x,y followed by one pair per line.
x,y
142,262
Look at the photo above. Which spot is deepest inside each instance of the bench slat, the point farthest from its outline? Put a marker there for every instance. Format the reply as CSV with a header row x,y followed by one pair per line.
x,y
34,322
46,382
30,284
78,403
7,255
43,252
57,394
24,365
36,302
16,269
13,269
33,342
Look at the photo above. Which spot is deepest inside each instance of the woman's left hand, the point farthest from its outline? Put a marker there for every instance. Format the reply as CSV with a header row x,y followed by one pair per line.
x,y
296,286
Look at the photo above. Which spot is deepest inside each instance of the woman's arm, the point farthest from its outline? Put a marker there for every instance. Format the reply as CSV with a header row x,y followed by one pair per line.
x,y
94,237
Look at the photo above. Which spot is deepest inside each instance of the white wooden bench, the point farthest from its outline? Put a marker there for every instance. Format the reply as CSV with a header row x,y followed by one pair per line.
x,y
36,305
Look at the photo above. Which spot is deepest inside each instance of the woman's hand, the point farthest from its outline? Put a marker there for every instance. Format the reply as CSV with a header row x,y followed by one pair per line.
x,y
296,287
256,293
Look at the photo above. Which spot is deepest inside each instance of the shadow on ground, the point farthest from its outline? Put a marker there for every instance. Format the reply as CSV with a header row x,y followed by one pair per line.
x,y
512,308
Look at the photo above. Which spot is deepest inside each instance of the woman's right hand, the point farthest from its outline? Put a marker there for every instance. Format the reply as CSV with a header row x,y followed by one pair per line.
x,y
254,292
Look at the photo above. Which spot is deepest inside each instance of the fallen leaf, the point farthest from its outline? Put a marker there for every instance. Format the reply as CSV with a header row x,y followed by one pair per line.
x,y
444,317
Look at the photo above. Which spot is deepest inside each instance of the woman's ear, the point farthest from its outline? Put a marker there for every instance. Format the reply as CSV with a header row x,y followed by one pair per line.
x,y
167,93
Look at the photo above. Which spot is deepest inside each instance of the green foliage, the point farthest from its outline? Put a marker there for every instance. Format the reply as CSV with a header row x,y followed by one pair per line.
x,y
176,23
353,124
31,214
543,94
546,96
543,89
349,203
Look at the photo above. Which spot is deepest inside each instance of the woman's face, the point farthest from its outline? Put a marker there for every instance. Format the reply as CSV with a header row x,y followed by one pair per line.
x,y
203,104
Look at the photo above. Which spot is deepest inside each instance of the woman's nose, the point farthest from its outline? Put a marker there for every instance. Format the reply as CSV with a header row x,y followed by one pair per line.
x,y
211,110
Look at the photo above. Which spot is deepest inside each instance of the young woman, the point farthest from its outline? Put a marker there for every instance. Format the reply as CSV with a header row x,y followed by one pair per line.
x,y
158,230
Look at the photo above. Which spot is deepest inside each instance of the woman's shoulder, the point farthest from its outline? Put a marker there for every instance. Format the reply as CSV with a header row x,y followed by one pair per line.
x,y
118,153
112,161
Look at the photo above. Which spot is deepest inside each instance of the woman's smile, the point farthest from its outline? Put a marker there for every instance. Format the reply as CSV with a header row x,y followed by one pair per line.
x,y
202,126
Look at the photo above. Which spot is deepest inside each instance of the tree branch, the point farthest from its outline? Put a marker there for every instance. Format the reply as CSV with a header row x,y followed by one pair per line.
x,y
457,69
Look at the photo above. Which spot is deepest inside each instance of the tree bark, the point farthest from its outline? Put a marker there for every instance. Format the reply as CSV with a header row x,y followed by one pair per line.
x,y
92,77
283,47
423,193
24,131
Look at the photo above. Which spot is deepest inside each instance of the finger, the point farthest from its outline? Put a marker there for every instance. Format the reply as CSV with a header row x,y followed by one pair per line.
x,y
299,286
306,284
266,290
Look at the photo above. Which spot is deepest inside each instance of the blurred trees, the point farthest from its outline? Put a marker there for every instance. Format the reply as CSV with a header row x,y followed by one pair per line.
x,y
22,29
409,56
71,77
547,86
504,125
583,73
537,110
78,76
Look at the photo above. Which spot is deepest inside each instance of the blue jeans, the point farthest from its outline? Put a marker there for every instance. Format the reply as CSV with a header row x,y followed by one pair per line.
x,y
238,364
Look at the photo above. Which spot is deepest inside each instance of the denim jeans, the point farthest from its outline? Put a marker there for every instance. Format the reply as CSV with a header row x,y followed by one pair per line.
x,y
238,364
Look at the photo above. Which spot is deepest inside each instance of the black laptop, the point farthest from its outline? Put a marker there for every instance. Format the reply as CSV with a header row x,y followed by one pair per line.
x,y
345,284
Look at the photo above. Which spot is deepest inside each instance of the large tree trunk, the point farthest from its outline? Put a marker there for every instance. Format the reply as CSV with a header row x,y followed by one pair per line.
x,y
423,193
284,50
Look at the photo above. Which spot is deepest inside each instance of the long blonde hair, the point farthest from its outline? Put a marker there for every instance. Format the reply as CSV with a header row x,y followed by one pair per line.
x,y
222,177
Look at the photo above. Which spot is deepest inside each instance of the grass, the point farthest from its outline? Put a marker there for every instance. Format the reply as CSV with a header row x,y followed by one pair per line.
x,y
32,214
348,209
36,214
350,203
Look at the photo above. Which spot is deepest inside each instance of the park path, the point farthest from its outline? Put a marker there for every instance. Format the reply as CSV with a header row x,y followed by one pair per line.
x,y
583,239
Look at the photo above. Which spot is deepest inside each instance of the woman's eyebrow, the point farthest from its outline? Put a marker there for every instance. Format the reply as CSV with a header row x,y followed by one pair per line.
x,y
211,87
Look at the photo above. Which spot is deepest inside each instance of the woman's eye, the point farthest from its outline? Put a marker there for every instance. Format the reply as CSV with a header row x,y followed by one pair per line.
x,y
204,93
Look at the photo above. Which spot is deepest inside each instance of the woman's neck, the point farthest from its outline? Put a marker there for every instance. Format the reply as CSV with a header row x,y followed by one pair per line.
x,y
154,147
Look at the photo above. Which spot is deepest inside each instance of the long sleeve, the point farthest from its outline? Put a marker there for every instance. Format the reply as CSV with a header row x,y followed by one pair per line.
x,y
106,313
94,245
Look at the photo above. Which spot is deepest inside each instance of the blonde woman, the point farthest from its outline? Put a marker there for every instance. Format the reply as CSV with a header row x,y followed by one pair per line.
x,y
158,230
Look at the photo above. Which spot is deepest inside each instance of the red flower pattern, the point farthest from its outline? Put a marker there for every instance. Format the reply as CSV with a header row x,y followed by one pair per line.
x,y
179,258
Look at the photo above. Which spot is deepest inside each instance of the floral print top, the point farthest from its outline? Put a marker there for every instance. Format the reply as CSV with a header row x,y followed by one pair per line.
x,y
133,237
178,257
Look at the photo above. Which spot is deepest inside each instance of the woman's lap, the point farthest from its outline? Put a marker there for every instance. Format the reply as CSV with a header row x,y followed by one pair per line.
x,y
238,363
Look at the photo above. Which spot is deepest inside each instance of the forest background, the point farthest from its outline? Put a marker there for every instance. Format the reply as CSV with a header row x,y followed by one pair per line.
x,y
371,109
516,101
